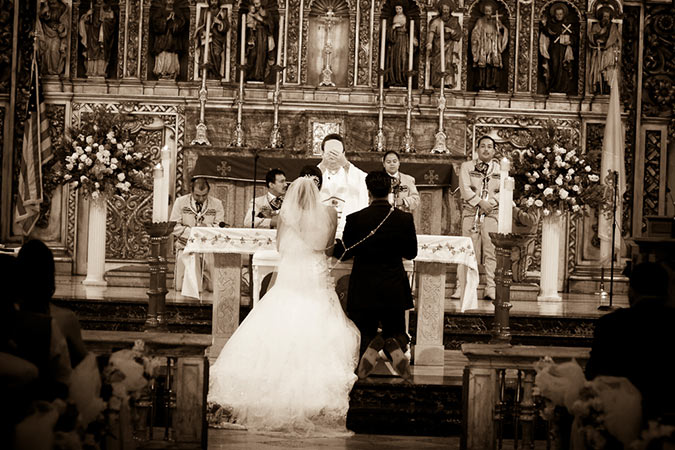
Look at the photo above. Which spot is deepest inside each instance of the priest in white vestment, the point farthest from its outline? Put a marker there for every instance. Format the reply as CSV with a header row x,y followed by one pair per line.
x,y
344,184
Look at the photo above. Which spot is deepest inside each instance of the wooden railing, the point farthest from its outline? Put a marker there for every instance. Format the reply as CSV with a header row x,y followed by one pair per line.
x,y
184,386
491,368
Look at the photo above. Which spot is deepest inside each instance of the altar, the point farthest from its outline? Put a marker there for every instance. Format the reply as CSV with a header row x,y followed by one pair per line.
x,y
227,244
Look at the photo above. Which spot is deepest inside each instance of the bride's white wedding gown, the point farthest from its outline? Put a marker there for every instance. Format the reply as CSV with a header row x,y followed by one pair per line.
x,y
290,365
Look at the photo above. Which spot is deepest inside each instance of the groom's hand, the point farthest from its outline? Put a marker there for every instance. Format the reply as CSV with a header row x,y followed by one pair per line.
x,y
338,249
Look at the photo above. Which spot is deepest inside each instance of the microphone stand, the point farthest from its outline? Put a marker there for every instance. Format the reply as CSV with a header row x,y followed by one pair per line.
x,y
255,180
615,176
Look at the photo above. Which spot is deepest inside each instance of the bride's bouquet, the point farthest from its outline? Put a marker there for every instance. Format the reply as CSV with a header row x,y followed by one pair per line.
x,y
607,410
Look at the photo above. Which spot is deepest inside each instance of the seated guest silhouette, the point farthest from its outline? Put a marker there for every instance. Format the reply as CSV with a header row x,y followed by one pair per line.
x,y
637,342
264,210
36,261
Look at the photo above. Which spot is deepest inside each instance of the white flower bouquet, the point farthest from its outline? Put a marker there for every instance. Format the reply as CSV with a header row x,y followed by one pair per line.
x,y
100,158
552,177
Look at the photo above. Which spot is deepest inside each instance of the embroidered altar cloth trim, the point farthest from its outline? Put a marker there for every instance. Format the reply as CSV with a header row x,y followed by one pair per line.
x,y
430,248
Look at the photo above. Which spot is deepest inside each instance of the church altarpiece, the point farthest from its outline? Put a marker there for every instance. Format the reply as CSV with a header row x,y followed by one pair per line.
x,y
167,109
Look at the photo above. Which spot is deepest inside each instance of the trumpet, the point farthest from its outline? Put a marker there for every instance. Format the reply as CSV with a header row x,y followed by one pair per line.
x,y
479,217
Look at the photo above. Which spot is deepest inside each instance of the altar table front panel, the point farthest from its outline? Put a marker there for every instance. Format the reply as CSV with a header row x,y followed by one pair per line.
x,y
433,251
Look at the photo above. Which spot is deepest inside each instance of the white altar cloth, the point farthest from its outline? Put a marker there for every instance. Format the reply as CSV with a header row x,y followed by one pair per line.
x,y
430,248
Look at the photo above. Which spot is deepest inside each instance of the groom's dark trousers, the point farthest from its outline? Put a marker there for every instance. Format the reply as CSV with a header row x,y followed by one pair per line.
x,y
379,291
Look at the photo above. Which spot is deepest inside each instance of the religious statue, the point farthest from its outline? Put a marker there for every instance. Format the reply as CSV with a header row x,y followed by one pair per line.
x,y
260,44
451,40
96,30
169,21
52,36
604,41
397,54
220,24
556,46
489,38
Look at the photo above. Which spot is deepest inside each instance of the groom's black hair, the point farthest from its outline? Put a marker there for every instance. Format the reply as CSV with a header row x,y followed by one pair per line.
x,y
312,171
378,183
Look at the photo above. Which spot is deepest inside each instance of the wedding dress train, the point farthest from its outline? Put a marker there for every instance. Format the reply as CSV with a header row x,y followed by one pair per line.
x,y
289,367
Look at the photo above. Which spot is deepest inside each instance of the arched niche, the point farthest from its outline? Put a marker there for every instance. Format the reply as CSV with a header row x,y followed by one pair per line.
x,y
504,14
262,35
328,43
548,80
397,41
603,44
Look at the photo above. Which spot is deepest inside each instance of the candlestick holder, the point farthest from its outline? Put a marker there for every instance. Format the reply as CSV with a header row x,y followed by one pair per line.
x,y
504,244
440,146
275,137
159,244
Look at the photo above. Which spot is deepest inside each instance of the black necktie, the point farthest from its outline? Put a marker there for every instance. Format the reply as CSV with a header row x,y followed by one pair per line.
x,y
198,206
482,167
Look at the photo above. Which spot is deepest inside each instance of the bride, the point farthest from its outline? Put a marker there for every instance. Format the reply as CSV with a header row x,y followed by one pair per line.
x,y
290,365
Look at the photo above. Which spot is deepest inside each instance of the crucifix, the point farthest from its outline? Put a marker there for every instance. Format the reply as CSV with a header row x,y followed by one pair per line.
x,y
327,72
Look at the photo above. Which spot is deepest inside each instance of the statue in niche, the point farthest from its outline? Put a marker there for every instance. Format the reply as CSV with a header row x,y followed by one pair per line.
x,y
604,41
557,46
52,36
397,45
220,24
261,23
169,20
97,28
489,39
451,38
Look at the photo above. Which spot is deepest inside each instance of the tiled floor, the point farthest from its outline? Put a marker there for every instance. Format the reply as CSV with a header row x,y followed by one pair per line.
x,y
243,440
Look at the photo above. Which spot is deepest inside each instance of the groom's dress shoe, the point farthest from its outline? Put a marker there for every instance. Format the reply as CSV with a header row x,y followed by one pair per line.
x,y
367,363
399,361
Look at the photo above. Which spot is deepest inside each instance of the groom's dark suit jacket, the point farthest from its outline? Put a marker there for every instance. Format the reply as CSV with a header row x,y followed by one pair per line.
x,y
378,280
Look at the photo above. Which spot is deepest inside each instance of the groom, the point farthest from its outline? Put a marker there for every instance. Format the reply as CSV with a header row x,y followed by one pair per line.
x,y
379,237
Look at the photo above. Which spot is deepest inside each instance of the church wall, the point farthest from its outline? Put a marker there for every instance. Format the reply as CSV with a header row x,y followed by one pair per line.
x,y
168,109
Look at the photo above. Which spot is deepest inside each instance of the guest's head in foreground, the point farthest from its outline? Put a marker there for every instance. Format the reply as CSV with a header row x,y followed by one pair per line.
x,y
36,266
647,281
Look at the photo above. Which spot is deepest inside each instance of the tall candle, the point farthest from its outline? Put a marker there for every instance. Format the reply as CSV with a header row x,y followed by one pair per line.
x,y
207,33
279,41
505,213
411,46
442,41
157,174
383,42
166,181
242,58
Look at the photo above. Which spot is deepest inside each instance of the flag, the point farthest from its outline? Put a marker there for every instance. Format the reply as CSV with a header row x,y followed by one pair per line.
x,y
612,160
35,152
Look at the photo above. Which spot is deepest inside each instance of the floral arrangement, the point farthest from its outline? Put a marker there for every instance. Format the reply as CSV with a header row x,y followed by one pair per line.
x,y
99,157
552,177
607,410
